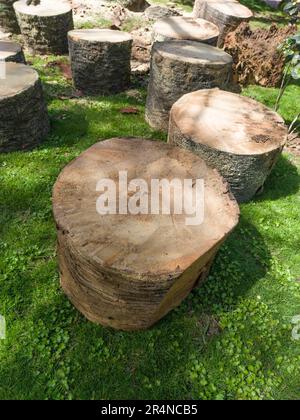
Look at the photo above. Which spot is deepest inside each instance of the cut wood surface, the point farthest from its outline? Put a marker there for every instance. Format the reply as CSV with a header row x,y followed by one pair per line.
x,y
234,134
8,19
11,51
45,27
227,15
127,271
23,113
100,60
185,28
179,67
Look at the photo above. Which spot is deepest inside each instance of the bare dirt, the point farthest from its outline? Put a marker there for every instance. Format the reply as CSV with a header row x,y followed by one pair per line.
x,y
257,59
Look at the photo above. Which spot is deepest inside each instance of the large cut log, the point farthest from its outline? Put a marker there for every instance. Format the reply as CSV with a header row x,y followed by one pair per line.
x,y
23,113
127,270
8,19
199,7
11,51
45,27
100,60
185,28
238,136
179,67
227,15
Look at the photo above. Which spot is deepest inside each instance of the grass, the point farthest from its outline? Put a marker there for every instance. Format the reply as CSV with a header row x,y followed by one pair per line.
x,y
231,339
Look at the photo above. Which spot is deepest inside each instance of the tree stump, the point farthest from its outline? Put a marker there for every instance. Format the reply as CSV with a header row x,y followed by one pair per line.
x,y
8,19
179,67
227,15
45,27
185,28
11,51
127,271
100,60
238,136
23,112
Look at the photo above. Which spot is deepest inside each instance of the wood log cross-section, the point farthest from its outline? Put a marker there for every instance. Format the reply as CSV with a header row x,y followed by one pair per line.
x,y
23,113
238,136
185,28
100,60
45,26
127,271
226,14
11,51
179,67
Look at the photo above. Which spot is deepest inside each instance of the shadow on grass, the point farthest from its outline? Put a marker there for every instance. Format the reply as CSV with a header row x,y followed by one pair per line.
x,y
283,181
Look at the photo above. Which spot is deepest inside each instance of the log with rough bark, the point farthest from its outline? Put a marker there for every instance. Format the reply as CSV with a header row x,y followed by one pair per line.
x,y
23,113
11,51
199,7
8,19
185,28
127,271
179,67
45,27
238,136
227,15
100,60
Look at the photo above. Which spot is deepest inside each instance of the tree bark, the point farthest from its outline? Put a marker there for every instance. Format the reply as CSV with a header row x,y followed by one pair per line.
x,y
100,60
8,19
23,113
185,28
45,27
11,51
127,271
179,67
236,135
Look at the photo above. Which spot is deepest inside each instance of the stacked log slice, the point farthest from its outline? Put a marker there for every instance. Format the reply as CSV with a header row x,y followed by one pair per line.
x,y
11,51
199,7
45,27
238,136
179,67
23,113
185,28
227,15
8,19
100,60
129,270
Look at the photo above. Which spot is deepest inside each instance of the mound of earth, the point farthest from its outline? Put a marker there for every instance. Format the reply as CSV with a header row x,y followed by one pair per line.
x,y
255,53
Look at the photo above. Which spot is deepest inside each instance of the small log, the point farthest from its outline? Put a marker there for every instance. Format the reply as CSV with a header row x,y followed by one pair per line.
x,y
23,113
179,67
45,27
238,136
185,28
11,51
227,15
100,60
8,18
127,271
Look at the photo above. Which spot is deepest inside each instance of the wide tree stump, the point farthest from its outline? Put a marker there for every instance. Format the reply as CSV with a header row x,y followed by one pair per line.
x,y
238,136
45,27
179,67
23,113
11,51
100,60
8,18
127,271
227,15
185,28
